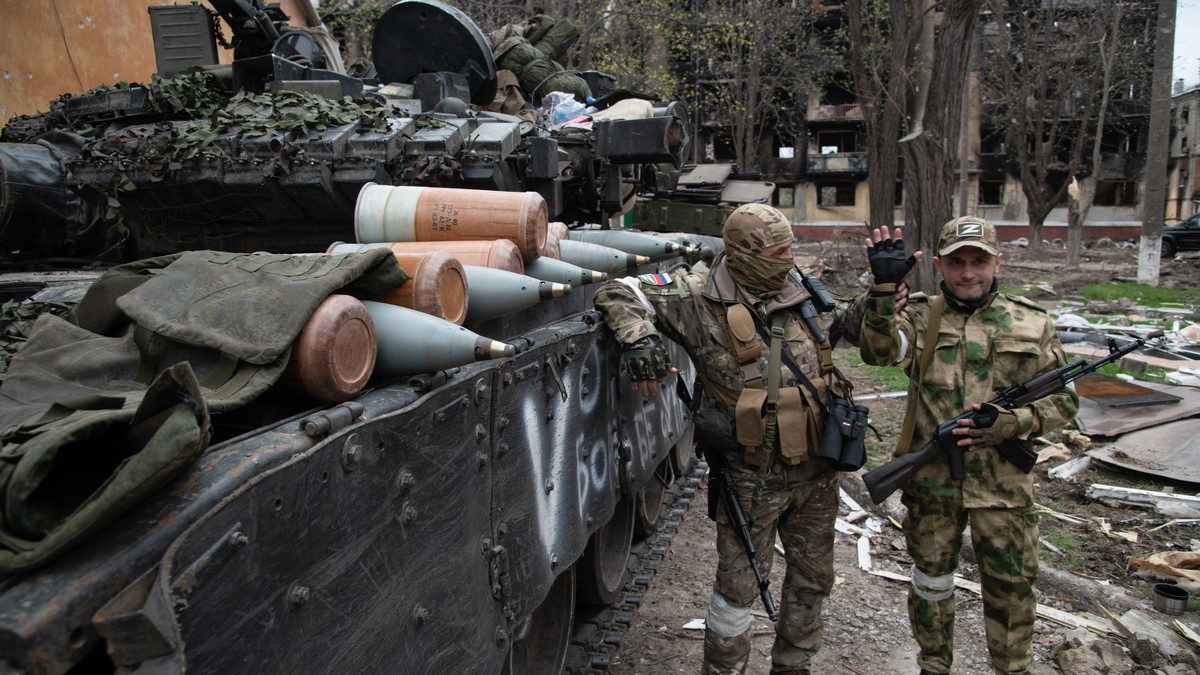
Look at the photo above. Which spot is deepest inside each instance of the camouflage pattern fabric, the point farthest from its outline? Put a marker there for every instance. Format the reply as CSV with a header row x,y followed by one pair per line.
x,y
798,500
749,231
1006,546
978,353
808,491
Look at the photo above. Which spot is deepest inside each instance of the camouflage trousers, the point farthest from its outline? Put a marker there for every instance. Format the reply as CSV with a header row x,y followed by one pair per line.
x,y
800,504
1006,548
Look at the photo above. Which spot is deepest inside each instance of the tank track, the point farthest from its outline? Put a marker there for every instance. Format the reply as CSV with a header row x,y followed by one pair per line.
x,y
599,631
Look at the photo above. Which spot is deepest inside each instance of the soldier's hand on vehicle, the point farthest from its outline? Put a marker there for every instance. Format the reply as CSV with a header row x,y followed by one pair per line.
x,y
648,364
885,253
989,425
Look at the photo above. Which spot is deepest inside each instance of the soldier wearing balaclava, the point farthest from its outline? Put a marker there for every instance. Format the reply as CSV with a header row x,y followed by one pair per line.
x,y
760,345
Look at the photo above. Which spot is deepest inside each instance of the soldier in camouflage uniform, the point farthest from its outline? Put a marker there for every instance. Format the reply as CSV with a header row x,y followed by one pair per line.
x,y
784,486
987,341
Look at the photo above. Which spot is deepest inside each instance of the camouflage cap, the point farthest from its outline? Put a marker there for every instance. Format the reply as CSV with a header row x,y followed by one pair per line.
x,y
968,231
754,227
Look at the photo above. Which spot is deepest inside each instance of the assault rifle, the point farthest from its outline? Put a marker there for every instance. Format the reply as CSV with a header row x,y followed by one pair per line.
x,y
721,474
884,480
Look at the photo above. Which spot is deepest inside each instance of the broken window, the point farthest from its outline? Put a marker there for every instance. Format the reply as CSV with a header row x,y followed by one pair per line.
x,y
991,193
1116,193
832,142
835,193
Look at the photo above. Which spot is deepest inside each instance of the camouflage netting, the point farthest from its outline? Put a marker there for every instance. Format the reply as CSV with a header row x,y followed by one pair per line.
x,y
533,50
179,130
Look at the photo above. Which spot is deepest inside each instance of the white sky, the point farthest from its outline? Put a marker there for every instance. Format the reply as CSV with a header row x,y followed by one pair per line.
x,y
1187,42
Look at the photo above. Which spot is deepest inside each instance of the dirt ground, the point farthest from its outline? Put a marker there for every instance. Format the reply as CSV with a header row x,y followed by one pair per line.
x,y
866,623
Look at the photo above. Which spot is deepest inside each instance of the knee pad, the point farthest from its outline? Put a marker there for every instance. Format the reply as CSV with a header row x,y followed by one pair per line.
x,y
933,589
725,619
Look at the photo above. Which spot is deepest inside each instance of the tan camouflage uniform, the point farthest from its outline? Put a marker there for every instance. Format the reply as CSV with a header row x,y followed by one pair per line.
x,y
798,500
979,352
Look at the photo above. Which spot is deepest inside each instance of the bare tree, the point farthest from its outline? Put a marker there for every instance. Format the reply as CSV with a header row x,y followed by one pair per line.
x,y
755,55
1045,87
1082,192
930,149
881,38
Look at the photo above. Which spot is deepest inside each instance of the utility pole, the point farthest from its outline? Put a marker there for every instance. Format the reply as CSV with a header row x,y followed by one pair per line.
x,y
1155,205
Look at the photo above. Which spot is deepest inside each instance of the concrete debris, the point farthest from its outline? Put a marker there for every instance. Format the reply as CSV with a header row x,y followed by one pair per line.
x,y
1162,502
1187,377
1098,658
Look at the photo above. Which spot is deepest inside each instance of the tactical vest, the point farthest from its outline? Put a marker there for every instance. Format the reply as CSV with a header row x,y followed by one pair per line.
x,y
768,417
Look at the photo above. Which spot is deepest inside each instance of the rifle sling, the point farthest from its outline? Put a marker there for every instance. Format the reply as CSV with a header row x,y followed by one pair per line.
x,y
932,326
791,364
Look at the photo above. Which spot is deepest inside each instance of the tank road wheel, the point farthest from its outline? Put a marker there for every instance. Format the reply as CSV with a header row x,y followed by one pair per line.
x,y
650,501
602,567
541,644
681,454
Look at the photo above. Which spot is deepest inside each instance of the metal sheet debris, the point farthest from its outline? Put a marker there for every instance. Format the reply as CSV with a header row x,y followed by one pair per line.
x,y
1170,450
1097,419
1116,393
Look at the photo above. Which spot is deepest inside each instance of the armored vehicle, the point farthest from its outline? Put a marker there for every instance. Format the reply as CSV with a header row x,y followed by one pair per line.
x,y
455,520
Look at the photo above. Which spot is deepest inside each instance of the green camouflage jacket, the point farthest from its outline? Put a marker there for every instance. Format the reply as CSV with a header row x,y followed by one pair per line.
x,y
978,354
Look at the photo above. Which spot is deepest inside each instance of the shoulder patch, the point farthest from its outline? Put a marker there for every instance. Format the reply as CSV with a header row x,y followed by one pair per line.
x,y
655,279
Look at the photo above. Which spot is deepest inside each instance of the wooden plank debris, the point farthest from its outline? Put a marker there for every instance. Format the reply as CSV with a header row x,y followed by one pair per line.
x,y
1107,530
849,501
1175,521
864,554
1096,624
846,528
1070,469
1187,632
1047,511
1143,625
1091,352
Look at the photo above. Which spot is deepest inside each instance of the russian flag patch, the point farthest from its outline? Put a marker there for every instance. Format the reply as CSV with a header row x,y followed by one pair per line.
x,y
655,279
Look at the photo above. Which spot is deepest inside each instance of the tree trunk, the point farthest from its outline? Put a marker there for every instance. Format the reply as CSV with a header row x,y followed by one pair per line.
x,y
1156,155
879,89
930,151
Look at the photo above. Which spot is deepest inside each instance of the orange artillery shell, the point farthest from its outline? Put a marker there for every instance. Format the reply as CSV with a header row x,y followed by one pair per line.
x,y
436,285
500,254
387,213
559,230
551,249
334,355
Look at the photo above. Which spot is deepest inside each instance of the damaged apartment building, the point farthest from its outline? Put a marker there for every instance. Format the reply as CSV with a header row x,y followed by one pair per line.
x,y
820,172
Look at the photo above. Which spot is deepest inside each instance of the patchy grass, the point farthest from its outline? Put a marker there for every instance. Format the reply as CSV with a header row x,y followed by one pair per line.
x,y
1065,541
1142,294
887,378
1150,374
